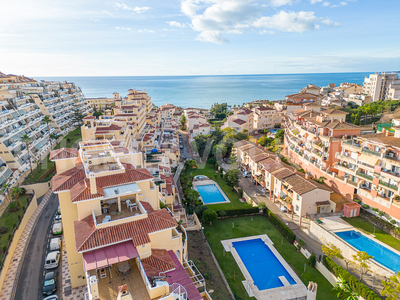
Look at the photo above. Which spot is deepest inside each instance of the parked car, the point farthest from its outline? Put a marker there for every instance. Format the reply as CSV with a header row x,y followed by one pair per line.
x,y
52,297
246,174
181,147
57,228
55,244
57,219
59,210
49,285
52,260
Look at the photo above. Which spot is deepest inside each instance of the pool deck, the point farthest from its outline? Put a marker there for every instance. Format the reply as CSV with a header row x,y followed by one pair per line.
x,y
210,182
281,293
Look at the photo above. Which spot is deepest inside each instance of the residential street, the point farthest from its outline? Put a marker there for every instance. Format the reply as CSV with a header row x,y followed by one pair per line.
x,y
185,142
31,277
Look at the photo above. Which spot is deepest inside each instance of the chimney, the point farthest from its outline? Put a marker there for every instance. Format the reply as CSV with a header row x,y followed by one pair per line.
x,y
93,185
307,176
265,149
387,132
341,120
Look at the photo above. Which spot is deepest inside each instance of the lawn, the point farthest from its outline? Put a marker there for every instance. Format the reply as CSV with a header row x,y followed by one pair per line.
x,y
210,172
46,169
369,228
247,226
9,219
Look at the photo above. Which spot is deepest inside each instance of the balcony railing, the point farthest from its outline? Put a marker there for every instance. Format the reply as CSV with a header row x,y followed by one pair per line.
x,y
352,143
391,186
368,151
364,176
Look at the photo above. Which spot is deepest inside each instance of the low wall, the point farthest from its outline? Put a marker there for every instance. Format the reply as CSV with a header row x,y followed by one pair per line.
x,y
324,237
248,199
17,235
39,188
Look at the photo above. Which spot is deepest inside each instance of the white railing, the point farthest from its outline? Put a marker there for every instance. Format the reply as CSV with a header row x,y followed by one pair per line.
x,y
178,290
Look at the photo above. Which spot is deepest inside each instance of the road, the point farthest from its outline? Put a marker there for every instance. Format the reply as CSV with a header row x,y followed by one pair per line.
x,y
185,142
31,277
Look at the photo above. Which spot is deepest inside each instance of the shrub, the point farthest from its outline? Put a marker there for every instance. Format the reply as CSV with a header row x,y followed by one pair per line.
x,y
302,170
312,260
200,209
282,227
365,206
240,211
393,221
375,209
357,201
207,275
353,282
301,243
211,161
4,249
3,229
381,213
240,193
208,233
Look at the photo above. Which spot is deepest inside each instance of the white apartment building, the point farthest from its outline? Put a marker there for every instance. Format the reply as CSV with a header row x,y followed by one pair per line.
x,y
196,123
24,103
382,86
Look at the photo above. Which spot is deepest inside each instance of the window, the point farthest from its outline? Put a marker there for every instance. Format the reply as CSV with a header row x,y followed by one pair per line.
x,y
298,197
297,208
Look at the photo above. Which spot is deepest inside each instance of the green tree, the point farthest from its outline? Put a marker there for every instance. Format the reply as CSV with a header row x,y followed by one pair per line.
x,y
332,251
222,214
217,108
279,135
193,196
210,215
47,120
265,141
16,192
231,178
77,116
391,288
5,190
362,259
344,291
27,140
183,122
265,131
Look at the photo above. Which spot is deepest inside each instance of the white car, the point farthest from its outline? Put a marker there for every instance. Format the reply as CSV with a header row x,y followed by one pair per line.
x,y
246,174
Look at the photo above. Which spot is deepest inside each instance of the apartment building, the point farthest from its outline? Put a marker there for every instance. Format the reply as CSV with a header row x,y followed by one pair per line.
x,y
115,229
382,86
295,191
103,103
7,176
23,106
296,101
254,119
359,99
314,135
196,123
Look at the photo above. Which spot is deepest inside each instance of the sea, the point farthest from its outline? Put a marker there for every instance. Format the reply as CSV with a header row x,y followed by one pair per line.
x,y
204,91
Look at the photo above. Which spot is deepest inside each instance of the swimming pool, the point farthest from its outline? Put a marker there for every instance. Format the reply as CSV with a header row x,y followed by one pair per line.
x,y
210,194
381,254
273,131
263,266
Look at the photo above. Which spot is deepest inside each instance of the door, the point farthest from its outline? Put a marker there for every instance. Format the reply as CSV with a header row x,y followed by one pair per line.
x,y
318,209
351,213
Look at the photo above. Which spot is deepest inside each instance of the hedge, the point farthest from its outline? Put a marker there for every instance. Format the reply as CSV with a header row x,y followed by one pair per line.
x,y
240,211
280,226
353,282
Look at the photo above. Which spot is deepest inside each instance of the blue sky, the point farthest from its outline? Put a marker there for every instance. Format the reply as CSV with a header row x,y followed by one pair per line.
x,y
195,37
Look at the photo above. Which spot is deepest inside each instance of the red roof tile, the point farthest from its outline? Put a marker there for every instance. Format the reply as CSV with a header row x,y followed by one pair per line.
x,y
63,153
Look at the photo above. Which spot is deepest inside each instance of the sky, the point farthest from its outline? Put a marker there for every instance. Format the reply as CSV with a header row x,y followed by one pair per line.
x,y
198,37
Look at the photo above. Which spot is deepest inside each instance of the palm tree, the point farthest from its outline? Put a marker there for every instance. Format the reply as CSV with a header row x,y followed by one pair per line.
x,y
47,120
5,190
27,140
193,196
16,192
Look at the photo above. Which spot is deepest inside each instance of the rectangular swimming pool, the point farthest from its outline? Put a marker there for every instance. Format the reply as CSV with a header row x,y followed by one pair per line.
x,y
262,264
381,254
210,194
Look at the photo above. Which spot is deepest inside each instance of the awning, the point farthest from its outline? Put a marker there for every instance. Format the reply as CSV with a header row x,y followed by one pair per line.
x,y
109,255
370,160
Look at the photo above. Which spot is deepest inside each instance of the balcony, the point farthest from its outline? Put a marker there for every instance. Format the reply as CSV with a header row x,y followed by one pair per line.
x,y
363,175
388,185
351,145
370,152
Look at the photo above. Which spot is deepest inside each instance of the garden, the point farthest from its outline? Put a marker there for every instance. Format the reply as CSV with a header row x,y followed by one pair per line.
x,y
11,217
256,225
46,169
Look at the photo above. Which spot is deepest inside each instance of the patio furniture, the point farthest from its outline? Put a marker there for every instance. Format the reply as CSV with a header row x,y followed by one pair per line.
x,y
105,210
130,205
106,219
124,267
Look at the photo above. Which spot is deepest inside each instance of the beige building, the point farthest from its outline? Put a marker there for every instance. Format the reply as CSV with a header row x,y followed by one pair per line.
x,y
196,123
382,86
113,225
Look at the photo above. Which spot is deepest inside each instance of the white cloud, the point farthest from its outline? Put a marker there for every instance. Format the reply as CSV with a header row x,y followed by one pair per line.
x,y
266,32
330,23
136,9
326,3
146,31
315,1
122,28
343,3
340,4
176,24
214,18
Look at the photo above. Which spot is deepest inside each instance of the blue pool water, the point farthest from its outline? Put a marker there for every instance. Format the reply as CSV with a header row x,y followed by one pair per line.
x,y
381,254
210,194
273,131
262,264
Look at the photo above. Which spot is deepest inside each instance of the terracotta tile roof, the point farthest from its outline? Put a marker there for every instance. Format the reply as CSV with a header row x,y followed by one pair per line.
x,y
112,127
264,108
87,236
381,138
341,125
254,151
334,112
282,173
246,146
259,157
63,153
241,143
159,261
89,118
302,185
270,165
75,180
126,115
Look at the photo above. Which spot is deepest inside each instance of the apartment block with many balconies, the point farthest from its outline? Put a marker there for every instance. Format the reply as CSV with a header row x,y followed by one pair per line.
x,y
382,86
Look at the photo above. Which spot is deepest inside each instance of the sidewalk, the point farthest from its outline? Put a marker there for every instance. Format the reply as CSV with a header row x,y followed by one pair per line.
x,y
7,293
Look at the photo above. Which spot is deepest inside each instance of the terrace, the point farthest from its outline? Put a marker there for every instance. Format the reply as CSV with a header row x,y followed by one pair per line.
x,y
116,209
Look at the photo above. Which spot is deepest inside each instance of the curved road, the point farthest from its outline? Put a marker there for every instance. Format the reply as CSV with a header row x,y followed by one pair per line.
x,y
30,281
